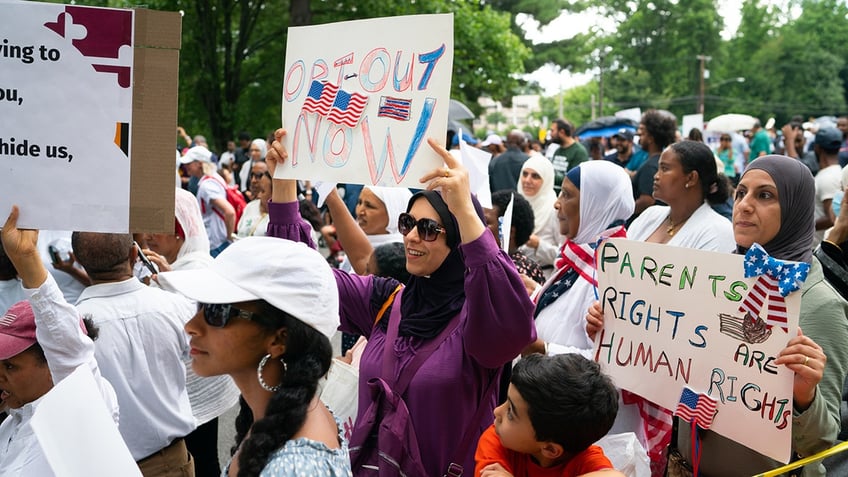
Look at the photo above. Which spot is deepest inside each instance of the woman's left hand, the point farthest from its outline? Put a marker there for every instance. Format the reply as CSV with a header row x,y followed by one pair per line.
x,y
451,179
456,192
807,360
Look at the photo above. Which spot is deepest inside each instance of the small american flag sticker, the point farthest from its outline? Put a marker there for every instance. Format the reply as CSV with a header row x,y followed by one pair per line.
x,y
395,108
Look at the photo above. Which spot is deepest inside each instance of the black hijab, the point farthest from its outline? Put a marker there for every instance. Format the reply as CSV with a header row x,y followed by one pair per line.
x,y
796,193
430,302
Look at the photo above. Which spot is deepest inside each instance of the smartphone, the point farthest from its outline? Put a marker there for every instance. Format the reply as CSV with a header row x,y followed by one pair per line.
x,y
54,254
146,261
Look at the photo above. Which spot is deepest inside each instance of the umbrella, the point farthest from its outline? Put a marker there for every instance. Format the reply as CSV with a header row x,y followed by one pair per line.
x,y
605,126
731,122
458,111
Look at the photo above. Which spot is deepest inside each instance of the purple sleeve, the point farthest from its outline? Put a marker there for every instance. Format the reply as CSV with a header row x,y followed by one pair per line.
x,y
284,221
500,313
357,294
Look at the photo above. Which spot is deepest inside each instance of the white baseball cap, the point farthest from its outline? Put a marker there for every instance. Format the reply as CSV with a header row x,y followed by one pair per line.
x,y
197,153
288,275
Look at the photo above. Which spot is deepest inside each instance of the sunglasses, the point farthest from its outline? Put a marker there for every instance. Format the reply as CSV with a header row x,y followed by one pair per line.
x,y
428,229
218,315
259,175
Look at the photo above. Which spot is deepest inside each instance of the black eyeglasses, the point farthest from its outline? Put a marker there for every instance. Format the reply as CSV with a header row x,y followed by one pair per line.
x,y
259,175
428,229
218,315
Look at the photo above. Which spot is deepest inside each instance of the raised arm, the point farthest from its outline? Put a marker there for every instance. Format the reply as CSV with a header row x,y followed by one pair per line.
x,y
353,238
283,210
284,190
57,322
500,314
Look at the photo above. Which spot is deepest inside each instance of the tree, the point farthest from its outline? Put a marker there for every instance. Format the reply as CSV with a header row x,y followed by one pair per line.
x,y
663,39
232,57
569,54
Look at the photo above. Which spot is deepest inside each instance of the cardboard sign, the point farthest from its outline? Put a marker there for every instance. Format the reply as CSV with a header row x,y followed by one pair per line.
x,y
93,95
360,98
672,319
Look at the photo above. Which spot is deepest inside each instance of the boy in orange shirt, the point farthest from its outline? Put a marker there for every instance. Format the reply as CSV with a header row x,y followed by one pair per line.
x,y
556,407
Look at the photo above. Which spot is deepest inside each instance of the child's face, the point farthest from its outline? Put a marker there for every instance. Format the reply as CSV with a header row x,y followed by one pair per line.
x,y
513,426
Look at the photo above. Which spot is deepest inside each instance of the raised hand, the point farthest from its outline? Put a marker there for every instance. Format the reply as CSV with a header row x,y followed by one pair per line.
x,y
21,247
453,182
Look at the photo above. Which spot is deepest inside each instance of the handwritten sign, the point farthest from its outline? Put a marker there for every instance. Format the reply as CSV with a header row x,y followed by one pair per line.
x,y
361,97
676,317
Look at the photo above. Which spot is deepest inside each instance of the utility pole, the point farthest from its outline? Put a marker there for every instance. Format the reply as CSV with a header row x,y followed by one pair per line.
x,y
559,110
704,59
593,106
601,83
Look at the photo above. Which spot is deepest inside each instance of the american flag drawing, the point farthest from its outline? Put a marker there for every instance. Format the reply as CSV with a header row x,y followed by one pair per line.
x,y
775,280
395,108
320,98
347,108
699,408
765,289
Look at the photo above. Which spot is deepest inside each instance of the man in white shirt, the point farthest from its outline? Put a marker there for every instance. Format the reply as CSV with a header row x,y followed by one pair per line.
x,y
219,217
828,180
140,351
42,341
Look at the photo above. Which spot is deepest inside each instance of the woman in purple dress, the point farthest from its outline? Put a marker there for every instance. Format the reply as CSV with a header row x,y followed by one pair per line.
x,y
459,275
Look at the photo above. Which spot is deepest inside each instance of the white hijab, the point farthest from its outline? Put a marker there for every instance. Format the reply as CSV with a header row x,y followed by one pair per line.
x,y
195,250
395,199
606,195
244,173
543,201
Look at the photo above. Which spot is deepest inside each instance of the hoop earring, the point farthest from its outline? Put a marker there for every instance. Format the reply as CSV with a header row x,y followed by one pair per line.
x,y
261,367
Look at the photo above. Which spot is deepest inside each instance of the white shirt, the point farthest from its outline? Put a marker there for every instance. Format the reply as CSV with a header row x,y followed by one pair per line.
x,y
66,348
70,286
140,350
253,222
828,183
209,189
550,241
704,230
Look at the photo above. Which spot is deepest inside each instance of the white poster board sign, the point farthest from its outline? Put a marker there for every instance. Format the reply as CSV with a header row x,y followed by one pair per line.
x,y
77,433
672,319
360,99
692,121
66,93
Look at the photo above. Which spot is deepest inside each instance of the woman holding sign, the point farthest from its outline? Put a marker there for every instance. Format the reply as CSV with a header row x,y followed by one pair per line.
x,y
465,304
774,208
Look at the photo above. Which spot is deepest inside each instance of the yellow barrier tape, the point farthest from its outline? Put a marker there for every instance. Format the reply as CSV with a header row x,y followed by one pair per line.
x,y
806,460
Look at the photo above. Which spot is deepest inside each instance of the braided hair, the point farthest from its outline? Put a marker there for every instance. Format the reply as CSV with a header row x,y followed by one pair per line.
x,y
308,356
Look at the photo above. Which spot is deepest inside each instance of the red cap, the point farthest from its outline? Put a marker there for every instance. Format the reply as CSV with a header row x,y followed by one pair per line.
x,y
17,330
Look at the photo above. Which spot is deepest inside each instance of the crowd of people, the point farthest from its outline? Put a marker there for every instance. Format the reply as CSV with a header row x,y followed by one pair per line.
x,y
474,349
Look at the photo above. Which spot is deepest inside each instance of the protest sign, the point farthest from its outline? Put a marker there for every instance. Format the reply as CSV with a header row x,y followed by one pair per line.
x,y
93,95
77,433
677,317
361,97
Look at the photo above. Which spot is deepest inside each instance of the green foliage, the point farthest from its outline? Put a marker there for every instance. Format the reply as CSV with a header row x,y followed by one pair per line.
x,y
576,104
